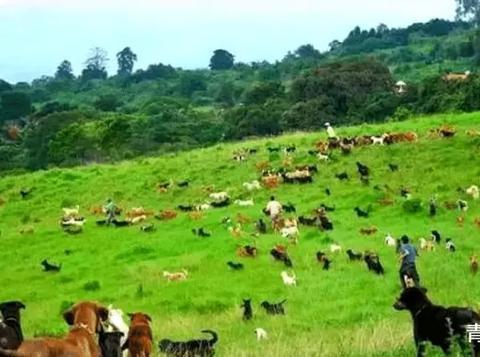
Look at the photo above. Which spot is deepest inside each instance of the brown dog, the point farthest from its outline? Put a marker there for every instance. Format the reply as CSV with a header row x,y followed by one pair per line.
x,y
474,264
85,319
140,337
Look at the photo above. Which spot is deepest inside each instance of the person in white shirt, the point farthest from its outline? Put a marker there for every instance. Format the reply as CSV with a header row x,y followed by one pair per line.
x,y
330,131
274,208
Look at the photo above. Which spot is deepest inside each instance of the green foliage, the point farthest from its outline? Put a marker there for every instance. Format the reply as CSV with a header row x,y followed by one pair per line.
x,y
64,71
412,206
14,105
5,86
95,64
107,103
126,59
91,286
221,60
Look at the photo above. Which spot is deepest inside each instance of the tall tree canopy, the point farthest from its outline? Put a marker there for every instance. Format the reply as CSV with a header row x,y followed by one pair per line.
x,y
64,71
95,64
221,60
469,9
126,59
307,51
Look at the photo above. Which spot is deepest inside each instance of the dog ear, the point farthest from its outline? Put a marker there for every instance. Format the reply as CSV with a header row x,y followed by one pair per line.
x,y
102,312
20,305
148,317
69,316
423,290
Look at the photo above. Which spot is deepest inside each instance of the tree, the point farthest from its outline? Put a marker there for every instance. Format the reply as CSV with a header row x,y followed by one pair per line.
x,y
307,51
469,9
14,105
334,45
221,60
126,59
64,71
95,64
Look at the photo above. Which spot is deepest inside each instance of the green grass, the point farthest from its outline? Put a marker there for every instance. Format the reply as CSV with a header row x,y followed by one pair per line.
x,y
344,312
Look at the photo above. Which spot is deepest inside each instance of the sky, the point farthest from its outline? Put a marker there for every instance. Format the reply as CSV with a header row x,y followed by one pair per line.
x,y
36,35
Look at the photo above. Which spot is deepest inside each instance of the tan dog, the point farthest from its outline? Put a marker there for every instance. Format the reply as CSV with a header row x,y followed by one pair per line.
x,y
85,319
474,264
140,338
179,276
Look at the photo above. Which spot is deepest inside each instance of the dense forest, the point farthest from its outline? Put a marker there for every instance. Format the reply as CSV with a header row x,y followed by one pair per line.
x,y
64,120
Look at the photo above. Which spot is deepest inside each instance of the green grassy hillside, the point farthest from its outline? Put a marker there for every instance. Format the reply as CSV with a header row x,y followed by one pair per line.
x,y
346,311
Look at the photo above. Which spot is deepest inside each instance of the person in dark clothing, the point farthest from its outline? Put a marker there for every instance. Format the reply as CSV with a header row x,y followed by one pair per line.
x,y
408,270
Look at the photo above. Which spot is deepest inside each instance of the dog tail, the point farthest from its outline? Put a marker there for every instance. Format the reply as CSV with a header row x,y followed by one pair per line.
x,y
10,353
214,336
282,302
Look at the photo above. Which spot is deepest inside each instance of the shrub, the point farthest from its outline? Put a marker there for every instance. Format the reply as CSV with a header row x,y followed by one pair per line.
x,y
412,206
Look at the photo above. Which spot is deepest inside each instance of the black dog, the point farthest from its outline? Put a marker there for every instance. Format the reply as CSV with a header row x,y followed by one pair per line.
x,y
342,176
118,223
307,221
282,257
361,213
373,263
393,167
354,256
322,258
289,208
183,184
109,343
201,233
328,192
220,204
247,309
436,236
327,208
274,309
11,335
362,169
185,208
235,266
50,267
325,223
190,348
261,226
435,323
25,192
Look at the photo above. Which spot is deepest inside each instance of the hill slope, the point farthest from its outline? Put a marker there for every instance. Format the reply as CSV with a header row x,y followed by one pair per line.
x,y
346,311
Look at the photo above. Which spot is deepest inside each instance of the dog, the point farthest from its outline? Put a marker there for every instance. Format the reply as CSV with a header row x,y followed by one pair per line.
x,y
393,167
274,309
247,309
11,335
183,183
436,324
474,264
449,245
190,348
281,255
354,256
436,237
291,233
335,248
362,169
117,324
148,228
261,226
247,251
462,205
473,192
369,231
111,343
140,340
201,233
289,208
118,223
219,196
185,208
261,334
342,176
85,319
179,276
72,221
50,267
361,213
327,208
289,280
252,186
235,266
373,263
70,212
322,258
426,245
390,241
244,203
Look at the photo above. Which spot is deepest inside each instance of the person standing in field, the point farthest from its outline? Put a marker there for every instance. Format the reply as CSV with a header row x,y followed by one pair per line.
x,y
408,270
274,208
110,210
330,132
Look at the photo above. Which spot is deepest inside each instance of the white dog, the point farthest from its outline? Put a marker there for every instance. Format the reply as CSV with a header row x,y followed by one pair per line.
x,y
291,233
219,196
73,222
203,207
390,241
69,212
244,203
116,323
251,186
261,334
378,140
323,157
473,192
335,248
289,280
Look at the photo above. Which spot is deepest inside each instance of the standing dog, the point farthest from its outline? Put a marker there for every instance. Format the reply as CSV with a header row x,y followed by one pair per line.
x,y
140,338
85,319
247,309
11,335
191,348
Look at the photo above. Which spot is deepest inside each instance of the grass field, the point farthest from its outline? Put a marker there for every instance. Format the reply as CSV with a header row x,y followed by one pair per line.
x,y
346,311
